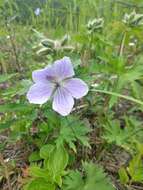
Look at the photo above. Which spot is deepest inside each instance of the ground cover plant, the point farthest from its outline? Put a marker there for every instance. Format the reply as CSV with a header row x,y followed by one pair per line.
x,y
71,104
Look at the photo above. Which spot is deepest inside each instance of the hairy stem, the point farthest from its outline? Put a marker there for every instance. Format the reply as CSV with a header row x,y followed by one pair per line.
x,y
119,95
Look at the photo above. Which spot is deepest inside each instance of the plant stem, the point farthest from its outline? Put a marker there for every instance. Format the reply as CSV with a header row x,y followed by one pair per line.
x,y
72,129
121,49
119,95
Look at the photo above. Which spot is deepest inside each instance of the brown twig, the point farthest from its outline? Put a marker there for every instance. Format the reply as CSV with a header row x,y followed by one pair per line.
x,y
5,171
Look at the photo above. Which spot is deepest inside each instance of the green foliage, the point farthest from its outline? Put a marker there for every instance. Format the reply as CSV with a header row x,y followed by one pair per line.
x,y
104,41
122,136
46,150
52,47
4,78
56,157
34,156
135,168
72,129
133,19
15,107
94,178
124,178
55,162
73,181
39,184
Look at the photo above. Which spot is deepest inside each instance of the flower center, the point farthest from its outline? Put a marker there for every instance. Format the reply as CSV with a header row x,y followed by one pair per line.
x,y
57,84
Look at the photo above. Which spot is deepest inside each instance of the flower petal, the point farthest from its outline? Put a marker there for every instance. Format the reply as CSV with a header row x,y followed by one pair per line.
x,y
77,87
43,75
63,101
63,68
39,93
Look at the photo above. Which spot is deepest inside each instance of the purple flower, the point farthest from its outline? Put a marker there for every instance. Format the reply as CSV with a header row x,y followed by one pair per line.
x,y
56,81
37,11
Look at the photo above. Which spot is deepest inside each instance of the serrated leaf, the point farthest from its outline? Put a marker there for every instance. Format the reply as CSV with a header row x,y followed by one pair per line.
x,y
94,179
73,181
113,133
71,131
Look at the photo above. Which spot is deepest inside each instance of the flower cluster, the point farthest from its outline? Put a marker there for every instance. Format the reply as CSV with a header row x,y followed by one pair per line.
x,y
56,82
37,11
133,19
95,25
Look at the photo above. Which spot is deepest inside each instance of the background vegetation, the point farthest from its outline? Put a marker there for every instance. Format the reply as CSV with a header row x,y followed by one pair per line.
x,y
98,146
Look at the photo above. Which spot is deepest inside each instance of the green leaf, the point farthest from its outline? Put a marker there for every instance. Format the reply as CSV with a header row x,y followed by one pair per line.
x,y
72,130
6,125
34,156
53,118
56,163
123,175
58,160
37,172
24,86
135,168
4,78
113,133
39,184
73,181
15,107
94,179
46,150
58,180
